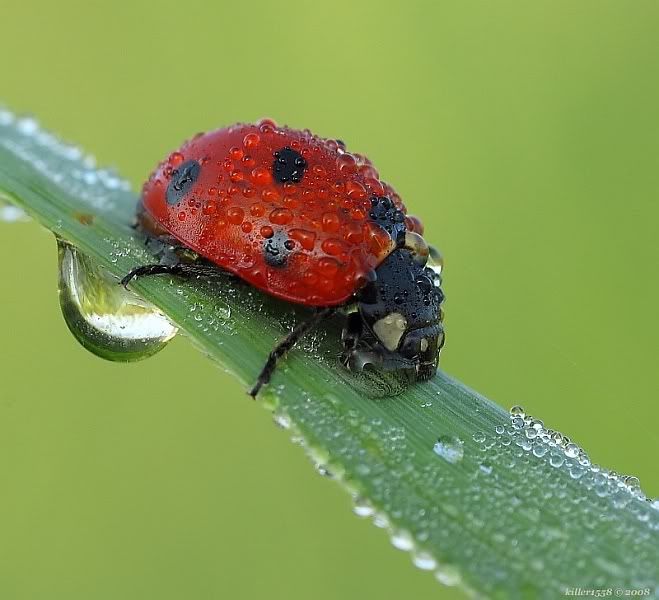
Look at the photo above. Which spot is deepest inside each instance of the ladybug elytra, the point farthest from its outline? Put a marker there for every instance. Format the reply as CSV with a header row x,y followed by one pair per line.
x,y
302,219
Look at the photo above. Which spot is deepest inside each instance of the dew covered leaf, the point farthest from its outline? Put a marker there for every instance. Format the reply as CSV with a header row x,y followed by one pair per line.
x,y
491,501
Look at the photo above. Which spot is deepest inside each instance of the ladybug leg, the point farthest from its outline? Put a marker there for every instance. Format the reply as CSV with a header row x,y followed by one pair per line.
x,y
352,331
286,344
357,352
182,269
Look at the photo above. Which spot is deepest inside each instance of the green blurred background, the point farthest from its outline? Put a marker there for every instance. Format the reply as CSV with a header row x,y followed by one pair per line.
x,y
527,136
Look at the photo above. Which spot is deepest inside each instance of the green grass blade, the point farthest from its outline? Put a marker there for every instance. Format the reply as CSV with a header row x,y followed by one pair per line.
x,y
505,515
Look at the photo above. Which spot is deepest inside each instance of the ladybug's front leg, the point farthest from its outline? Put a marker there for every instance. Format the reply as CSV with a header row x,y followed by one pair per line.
x,y
286,344
355,355
181,269
352,331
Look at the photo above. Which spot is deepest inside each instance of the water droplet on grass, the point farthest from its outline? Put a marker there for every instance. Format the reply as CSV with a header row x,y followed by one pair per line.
x,y
530,433
64,165
556,459
424,561
540,450
6,117
450,448
402,540
448,575
106,319
486,468
281,420
363,508
380,520
9,213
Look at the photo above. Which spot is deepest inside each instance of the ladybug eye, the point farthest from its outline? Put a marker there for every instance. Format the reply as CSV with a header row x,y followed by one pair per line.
x,y
182,180
289,165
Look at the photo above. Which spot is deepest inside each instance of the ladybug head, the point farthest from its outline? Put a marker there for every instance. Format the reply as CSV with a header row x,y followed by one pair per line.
x,y
398,321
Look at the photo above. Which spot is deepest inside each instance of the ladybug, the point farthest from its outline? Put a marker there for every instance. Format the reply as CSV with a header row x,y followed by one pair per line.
x,y
302,219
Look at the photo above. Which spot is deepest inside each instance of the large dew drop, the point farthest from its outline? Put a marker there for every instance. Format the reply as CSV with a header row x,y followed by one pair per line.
x,y
106,319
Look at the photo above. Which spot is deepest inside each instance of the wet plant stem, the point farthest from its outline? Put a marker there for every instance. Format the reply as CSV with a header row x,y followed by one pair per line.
x,y
514,512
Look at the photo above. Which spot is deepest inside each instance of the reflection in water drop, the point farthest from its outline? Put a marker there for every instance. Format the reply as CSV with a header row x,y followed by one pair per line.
x,y
106,319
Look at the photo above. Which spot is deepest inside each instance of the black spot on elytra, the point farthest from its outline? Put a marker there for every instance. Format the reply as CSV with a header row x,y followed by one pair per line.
x,y
182,180
277,248
289,165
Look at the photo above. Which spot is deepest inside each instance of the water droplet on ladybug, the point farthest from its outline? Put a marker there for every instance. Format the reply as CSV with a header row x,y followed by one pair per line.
x,y
355,190
235,153
333,246
251,141
257,210
331,222
175,159
236,176
248,162
281,216
329,267
307,239
235,215
261,176
346,164
267,126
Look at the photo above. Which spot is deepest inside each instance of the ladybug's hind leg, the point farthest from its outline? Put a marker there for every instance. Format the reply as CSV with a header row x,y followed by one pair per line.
x,y
286,344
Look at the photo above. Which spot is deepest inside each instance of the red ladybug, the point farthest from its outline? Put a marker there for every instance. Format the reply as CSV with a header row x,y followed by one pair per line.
x,y
300,218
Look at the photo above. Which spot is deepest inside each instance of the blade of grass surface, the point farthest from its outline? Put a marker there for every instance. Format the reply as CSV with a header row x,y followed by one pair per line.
x,y
490,507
